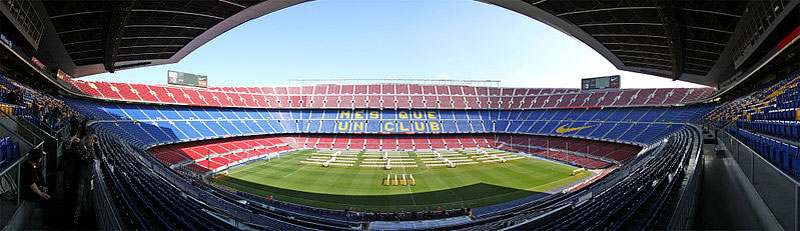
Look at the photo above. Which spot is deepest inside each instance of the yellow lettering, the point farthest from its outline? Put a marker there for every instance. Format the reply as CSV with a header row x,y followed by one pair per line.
x,y
402,128
374,115
432,115
419,126
344,115
434,126
417,114
358,126
402,115
388,126
358,114
343,128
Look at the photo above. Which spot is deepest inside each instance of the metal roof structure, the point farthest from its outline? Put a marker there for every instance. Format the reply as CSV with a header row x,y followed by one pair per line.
x,y
694,41
102,36
675,39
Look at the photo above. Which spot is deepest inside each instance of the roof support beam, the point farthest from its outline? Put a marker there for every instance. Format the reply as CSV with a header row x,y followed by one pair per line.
x,y
150,53
605,9
169,26
232,3
629,35
119,18
640,52
642,57
77,14
82,41
619,24
668,14
179,12
152,45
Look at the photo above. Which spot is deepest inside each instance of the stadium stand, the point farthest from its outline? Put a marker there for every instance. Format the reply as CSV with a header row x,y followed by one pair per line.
x,y
150,125
187,140
40,109
9,151
766,120
214,155
385,96
207,155
161,145
156,203
628,203
197,140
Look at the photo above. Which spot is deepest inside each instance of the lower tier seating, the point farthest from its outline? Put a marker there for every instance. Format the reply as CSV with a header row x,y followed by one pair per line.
x,y
208,155
213,155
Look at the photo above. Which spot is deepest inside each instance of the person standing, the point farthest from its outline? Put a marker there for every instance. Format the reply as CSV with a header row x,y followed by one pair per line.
x,y
85,151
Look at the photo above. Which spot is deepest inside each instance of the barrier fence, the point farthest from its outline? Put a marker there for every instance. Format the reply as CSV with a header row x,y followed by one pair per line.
x,y
779,191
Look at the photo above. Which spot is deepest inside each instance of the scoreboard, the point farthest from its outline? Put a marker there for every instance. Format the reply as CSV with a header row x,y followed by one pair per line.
x,y
601,83
187,79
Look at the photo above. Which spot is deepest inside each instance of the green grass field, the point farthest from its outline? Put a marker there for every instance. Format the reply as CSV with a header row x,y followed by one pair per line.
x,y
361,188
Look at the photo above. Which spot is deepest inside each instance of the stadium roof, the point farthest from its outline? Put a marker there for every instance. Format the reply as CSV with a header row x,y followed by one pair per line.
x,y
669,38
102,36
683,40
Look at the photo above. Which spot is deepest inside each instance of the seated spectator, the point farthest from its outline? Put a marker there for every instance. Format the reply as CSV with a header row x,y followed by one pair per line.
x,y
11,97
31,179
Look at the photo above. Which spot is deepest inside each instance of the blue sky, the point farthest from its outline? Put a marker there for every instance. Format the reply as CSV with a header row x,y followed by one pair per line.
x,y
420,39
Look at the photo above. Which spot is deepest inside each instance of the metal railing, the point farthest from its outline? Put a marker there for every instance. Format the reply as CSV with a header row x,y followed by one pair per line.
x,y
12,167
779,191
683,216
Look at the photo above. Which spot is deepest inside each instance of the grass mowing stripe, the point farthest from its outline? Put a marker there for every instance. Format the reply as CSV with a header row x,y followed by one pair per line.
x,y
360,187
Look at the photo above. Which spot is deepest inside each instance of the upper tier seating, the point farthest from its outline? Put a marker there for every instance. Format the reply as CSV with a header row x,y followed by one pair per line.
x,y
36,107
768,121
31,94
390,96
773,110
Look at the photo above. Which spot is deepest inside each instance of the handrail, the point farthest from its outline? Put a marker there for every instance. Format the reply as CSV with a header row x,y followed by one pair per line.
x,y
9,167
16,120
742,144
44,127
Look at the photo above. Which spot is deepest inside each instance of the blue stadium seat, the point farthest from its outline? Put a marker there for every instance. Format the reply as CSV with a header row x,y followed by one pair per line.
x,y
212,126
264,125
254,127
229,128
202,129
241,127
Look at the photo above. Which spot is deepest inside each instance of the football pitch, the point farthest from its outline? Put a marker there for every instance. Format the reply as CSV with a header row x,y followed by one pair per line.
x,y
417,181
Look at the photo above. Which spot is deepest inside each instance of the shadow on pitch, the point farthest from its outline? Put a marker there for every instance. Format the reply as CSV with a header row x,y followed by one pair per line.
x,y
475,195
